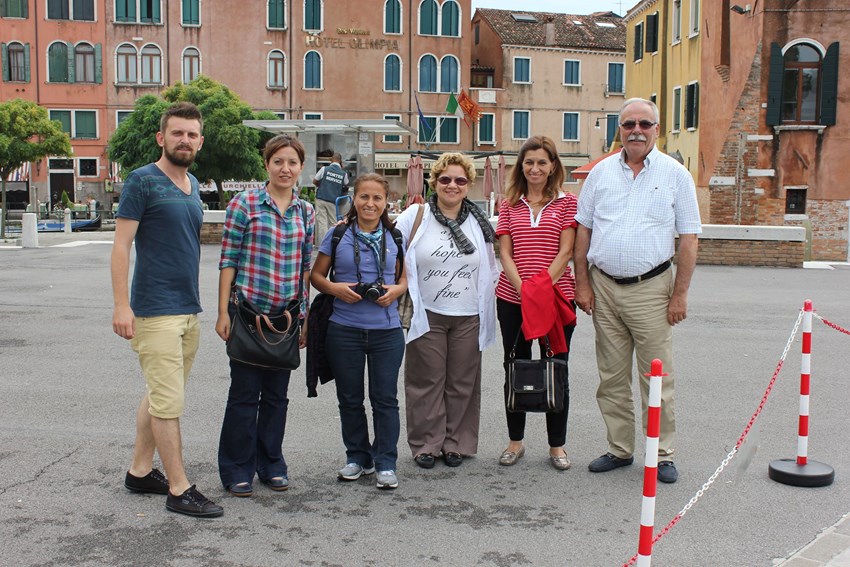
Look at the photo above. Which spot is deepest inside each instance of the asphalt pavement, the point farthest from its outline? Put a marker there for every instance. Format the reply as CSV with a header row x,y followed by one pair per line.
x,y
69,388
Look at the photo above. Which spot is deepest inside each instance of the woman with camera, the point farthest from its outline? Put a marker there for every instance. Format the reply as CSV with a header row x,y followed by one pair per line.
x,y
368,278
452,277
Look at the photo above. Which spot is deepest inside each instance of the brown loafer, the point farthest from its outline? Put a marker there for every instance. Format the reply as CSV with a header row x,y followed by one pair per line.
x,y
510,458
560,462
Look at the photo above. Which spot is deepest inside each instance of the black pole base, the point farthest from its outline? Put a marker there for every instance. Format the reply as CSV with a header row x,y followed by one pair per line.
x,y
812,474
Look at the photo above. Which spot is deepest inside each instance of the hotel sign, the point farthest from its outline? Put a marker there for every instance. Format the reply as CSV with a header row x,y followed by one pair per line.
x,y
351,42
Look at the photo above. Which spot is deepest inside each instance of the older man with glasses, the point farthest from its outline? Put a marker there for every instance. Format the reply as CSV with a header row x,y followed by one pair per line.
x,y
630,209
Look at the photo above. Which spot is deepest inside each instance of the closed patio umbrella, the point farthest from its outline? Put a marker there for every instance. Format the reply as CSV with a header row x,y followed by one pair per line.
x,y
415,184
488,185
500,181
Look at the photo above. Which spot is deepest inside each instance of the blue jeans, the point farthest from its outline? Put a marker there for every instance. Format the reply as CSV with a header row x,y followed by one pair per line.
x,y
254,424
348,350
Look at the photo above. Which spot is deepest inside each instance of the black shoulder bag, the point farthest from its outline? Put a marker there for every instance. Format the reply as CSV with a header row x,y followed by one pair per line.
x,y
535,385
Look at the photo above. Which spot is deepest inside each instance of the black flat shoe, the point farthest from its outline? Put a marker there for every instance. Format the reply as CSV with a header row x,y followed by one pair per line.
x,y
241,489
193,503
277,483
453,459
609,462
152,483
425,460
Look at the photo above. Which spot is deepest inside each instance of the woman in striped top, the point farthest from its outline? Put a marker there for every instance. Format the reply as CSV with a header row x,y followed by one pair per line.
x,y
536,231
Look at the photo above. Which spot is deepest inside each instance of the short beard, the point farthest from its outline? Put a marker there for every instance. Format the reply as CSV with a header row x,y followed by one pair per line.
x,y
175,159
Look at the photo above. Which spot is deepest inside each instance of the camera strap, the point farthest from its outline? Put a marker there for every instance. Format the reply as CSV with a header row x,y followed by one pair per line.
x,y
383,262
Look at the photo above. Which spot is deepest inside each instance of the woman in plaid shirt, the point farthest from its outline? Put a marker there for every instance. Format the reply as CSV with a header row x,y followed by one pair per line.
x,y
265,254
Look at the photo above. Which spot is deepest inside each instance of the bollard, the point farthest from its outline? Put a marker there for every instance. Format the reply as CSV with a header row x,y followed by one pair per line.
x,y
67,221
29,230
803,472
650,468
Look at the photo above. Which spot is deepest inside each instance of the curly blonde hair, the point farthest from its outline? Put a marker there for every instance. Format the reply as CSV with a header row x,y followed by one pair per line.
x,y
443,163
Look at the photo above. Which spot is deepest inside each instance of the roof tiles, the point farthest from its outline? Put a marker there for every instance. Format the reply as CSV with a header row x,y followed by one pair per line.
x,y
576,31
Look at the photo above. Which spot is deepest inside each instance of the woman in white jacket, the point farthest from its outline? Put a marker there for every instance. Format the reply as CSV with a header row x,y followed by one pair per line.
x,y
451,270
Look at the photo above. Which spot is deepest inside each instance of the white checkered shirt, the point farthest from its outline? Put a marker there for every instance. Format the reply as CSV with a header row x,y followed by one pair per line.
x,y
634,220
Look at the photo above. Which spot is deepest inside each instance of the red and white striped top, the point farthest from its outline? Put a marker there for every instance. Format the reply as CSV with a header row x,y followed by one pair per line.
x,y
536,241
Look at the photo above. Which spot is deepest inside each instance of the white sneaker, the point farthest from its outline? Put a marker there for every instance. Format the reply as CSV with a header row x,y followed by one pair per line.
x,y
353,471
387,479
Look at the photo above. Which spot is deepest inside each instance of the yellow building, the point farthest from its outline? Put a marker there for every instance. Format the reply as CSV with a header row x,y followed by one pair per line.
x,y
663,40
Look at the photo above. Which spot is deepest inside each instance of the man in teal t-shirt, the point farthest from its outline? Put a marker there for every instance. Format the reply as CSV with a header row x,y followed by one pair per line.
x,y
160,209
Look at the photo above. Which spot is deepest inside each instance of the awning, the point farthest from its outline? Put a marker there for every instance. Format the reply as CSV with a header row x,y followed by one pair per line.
x,y
231,186
21,174
397,160
583,171
385,127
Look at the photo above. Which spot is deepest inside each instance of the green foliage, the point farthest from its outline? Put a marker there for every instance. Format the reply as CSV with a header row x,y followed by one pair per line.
x,y
66,200
230,150
26,134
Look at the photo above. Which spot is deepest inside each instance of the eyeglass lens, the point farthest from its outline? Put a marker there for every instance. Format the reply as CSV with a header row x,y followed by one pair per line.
x,y
459,181
644,124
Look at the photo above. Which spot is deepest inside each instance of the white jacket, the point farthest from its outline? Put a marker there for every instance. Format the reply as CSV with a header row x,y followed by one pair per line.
x,y
488,273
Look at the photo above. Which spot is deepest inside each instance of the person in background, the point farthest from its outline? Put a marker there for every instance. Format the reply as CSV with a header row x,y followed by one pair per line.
x,y
536,230
452,272
632,206
331,182
266,248
368,280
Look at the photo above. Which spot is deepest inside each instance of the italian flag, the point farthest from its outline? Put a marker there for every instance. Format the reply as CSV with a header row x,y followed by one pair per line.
x,y
454,108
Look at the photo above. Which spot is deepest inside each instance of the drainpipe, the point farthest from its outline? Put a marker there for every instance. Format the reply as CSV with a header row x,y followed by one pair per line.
x,y
411,86
291,60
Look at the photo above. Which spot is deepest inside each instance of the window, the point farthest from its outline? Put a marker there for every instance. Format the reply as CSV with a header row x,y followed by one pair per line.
x,y
58,63
87,167
638,44
677,109
313,15
694,20
79,124
651,43
281,115
16,62
486,131
611,129
440,130
477,33
277,70
795,201
570,133
312,116
151,65
58,10
191,64
521,126
676,22
450,21
428,17
84,63
277,15
692,106
82,10
126,62
392,73
312,70
392,139
802,86
522,70
392,17
428,74
449,78
572,72
138,11
121,116
616,82
568,174
14,9
190,12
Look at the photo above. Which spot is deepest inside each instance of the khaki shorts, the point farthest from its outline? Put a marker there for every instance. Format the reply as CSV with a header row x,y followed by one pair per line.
x,y
166,346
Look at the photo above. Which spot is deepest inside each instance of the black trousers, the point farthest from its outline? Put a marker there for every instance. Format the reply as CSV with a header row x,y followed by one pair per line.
x,y
510,322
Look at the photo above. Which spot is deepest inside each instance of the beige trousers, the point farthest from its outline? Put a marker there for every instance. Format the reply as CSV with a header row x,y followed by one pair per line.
x,y
632,320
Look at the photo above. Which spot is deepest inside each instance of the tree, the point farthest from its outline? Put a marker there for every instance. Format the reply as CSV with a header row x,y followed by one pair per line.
x,y
26,134
230,149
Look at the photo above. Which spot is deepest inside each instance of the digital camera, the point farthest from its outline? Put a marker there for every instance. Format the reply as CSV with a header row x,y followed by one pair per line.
x,y
371,291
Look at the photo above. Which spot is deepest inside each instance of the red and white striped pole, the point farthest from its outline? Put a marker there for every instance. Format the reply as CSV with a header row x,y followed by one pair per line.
x,y
803,472
650,468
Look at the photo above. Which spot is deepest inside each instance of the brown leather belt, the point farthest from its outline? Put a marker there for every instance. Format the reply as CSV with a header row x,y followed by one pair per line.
x,y
660,269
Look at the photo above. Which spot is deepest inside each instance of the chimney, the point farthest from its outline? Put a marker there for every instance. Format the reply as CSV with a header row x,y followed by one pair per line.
x,y
550,31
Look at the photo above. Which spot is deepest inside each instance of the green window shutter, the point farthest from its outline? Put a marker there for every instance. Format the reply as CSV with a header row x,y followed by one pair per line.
x,y
4,54
71,66
3,11
774,86
26,13
98,63
86,124
157,16
27,62
829,86
64,118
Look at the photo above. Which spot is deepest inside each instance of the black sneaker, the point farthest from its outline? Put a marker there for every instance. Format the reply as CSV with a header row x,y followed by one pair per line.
x,y
152,483
193,503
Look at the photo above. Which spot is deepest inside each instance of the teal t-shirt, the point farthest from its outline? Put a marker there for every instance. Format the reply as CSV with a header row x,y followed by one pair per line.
x,y
168,243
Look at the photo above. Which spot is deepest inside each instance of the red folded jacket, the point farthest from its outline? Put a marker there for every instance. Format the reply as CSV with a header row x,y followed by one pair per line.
x,y
545,311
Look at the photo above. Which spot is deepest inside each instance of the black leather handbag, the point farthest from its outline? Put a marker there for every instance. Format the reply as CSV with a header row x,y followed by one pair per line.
x,y
259,339
535,385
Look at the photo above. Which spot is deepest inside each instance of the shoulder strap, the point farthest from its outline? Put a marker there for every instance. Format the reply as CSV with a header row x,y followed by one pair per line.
x,y
339,230
416,223
399,244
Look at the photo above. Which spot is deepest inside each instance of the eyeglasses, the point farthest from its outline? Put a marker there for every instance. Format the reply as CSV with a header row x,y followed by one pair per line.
x,y
644,124
459,181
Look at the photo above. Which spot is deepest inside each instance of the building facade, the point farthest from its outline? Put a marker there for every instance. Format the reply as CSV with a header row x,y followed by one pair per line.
x,y
558,75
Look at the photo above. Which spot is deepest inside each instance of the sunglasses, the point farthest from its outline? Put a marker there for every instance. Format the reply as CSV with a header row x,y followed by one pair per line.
x,y
644,124
459,181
